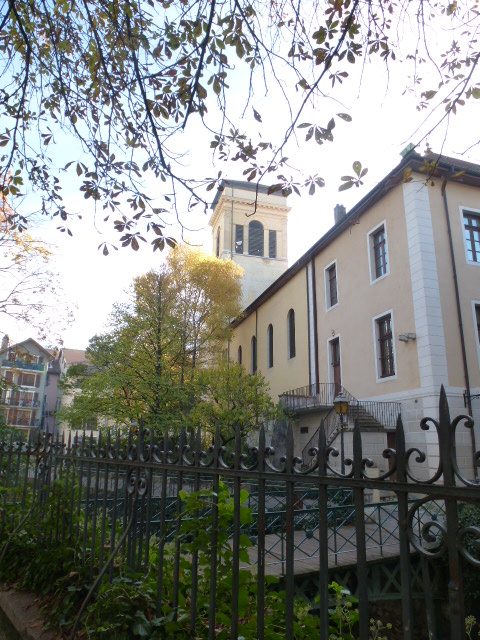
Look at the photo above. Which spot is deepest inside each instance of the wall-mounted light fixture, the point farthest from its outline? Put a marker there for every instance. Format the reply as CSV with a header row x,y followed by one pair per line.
x,y
405,337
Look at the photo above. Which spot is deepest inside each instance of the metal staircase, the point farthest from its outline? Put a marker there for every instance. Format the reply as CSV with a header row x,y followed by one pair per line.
x,y
369,414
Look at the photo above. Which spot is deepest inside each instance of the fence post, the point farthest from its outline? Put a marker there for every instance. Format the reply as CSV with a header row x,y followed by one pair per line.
x,y
323,531
447,450
402,498
362,573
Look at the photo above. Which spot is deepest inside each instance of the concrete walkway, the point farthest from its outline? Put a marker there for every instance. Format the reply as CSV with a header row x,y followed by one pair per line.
x,y
22,610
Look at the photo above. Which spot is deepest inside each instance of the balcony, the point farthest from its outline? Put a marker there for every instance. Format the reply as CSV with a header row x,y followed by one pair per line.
x,y
24,404
24,424
18,364
315,396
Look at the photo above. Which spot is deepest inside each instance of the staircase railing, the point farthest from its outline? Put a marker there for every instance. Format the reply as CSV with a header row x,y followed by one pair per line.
x,y
319,394
380,414
330,422
384,413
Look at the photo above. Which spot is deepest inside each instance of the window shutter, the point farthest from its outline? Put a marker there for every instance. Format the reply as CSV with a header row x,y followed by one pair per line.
x,y
272,244
238,238
255,238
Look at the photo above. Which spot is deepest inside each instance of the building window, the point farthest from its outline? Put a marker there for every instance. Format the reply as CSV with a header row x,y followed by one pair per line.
x,y
471,223
476,320
291,333
238,238
239,355
270,346
254,354
27,380
385,354
272,244
255,238
217,249
331,286
377,241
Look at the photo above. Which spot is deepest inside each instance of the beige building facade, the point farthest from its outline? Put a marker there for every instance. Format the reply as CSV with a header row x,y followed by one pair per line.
x,y
384,308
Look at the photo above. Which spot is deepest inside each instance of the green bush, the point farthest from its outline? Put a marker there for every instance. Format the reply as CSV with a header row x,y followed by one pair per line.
x,y
469,516
126,607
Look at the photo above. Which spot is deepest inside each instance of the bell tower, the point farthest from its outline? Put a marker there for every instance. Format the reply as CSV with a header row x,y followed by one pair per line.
x,y
250,227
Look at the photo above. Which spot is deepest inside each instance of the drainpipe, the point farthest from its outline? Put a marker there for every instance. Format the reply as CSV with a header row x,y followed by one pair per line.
x,y
460,322
231,227
315,325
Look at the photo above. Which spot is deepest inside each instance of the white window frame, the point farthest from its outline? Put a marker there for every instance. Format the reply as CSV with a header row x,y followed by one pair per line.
x,y
371,254
476,212
326,279
476,303
378,377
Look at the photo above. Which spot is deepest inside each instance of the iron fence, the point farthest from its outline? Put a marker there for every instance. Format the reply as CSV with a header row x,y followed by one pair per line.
x,y
125,501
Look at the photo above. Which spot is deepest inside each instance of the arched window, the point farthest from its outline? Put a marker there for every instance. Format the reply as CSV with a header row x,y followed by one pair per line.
x,y
270,346
239,357
255,238
217,251
254,354
291,333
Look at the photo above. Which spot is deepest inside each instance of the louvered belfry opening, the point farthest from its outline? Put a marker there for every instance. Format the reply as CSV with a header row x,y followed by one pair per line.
x,y
255,238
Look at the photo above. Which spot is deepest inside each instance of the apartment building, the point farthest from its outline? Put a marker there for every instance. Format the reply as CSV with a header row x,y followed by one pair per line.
x,y
23,371
384,308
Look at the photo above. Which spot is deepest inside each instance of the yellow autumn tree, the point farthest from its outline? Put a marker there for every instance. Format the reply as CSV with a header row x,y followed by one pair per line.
x,y
175,323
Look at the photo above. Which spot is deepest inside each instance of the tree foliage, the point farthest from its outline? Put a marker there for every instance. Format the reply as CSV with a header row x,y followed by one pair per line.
x,y
161,362
129,80
29,288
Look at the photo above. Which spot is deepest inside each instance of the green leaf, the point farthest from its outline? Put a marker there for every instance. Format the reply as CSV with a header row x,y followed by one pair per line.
x,y
345,116
239,49
357,167
245,540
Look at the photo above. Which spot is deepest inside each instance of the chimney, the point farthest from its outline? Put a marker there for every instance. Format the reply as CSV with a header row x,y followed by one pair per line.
x,y
339,212
5,342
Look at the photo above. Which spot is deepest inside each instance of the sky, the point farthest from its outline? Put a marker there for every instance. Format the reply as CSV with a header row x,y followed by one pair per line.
x,y
385,120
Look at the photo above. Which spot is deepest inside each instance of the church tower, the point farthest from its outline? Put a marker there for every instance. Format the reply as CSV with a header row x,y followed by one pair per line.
x,y
255,239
